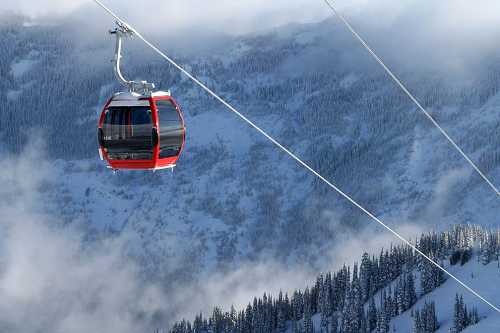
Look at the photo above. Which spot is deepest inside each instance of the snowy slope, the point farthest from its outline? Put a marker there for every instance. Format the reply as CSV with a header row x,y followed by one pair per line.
x,y
481,278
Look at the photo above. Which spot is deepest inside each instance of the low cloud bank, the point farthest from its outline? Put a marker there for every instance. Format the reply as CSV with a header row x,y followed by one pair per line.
x,y
49,280
52,280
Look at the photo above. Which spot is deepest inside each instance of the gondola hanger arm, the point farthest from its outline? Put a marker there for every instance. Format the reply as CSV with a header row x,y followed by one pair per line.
x,y
143,87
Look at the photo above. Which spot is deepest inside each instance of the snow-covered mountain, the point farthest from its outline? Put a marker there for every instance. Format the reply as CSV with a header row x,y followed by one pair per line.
x,y
235,199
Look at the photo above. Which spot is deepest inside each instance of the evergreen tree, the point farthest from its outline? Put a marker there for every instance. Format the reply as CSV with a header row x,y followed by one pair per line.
x,y
399,296
426,278
425,321
248,322
232,319
324,310
461,317
382,322
308,324
363,323
487,248
411,293
281,321
346,325
371,315
353,307
431,277
296,327
365,277
417,323
431,323
334,324
198,324
474,317
329,285
324,305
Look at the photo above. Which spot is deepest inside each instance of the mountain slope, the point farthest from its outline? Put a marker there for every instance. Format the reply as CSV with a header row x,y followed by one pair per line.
x,y
381,294
234,199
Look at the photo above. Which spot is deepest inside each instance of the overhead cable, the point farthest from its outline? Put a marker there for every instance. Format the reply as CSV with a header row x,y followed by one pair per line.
x,y
296,158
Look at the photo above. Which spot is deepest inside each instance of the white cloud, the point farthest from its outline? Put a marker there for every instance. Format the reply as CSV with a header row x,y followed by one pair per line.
x,y
222,15
35,8
410,35
443,192
238,287
449,15
349,245
49,280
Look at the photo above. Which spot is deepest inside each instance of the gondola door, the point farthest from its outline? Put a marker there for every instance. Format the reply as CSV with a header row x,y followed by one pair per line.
x,y
171,131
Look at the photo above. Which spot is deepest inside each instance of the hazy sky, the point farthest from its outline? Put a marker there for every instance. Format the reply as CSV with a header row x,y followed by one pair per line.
x,y
241,15
453,34
247,15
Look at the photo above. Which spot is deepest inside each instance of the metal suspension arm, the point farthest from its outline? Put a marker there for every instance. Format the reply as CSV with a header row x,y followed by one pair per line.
x,y
142,87
118,55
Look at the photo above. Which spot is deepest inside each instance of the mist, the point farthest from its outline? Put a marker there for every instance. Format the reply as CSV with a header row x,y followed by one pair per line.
x,y
450,21
50,279
232,17
53,279
448,38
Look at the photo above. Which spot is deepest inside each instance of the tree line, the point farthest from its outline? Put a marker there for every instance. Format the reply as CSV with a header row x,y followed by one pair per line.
x,y
365,297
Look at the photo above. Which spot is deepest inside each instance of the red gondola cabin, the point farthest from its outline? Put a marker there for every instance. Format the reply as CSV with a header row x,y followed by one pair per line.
x,y
141,132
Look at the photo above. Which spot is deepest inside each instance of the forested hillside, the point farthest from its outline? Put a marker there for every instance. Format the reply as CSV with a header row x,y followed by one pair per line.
x,y
366,297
